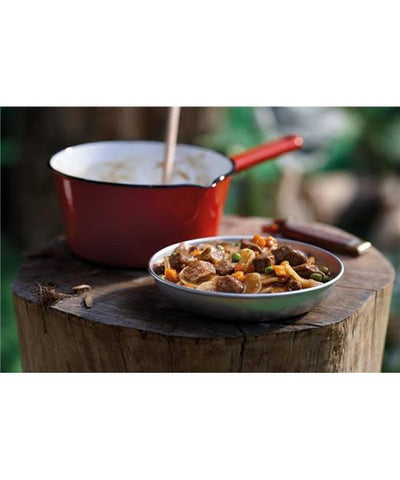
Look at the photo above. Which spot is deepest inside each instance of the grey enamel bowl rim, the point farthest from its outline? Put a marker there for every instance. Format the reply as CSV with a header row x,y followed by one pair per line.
x,y
233,238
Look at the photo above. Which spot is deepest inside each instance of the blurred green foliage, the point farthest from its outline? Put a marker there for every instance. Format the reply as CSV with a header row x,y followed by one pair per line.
x,y
239,131
10,361
374,144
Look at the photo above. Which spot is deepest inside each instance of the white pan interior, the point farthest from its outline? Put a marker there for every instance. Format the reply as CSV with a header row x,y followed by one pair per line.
x,y
140,163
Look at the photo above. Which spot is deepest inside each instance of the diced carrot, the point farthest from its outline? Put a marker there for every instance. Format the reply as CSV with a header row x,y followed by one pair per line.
x,y
172,275
239,267
239,275
195,253
259,240
280,270
242,267
271,242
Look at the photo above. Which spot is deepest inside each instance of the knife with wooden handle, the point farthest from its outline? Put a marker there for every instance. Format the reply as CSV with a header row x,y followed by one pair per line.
x,y
332,241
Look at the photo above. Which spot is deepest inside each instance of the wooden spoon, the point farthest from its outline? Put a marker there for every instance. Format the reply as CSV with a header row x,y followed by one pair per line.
x,y
170,143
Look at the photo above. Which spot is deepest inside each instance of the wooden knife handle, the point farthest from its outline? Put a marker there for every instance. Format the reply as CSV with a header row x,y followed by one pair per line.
x,y
334,241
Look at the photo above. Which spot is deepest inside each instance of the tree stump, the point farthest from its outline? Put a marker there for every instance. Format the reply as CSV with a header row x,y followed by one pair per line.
x,y
131,327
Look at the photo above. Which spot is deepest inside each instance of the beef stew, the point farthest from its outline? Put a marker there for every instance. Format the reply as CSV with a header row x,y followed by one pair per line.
x,y
260,265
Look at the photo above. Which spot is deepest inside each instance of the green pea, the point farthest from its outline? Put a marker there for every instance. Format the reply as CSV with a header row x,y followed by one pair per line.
x,y
316,276
236,257
162,276
174,254
325,278
269,269
220,247
324,269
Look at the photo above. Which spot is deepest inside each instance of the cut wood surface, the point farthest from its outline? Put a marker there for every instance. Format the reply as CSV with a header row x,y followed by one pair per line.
x,y
130,326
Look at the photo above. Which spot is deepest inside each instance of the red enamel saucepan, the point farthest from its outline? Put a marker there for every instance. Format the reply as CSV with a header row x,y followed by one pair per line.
x,y
116,212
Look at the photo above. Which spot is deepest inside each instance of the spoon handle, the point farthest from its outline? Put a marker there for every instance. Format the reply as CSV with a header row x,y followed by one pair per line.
x,y
170,143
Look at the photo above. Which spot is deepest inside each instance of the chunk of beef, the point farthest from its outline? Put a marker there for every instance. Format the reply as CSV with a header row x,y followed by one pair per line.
x,y
197,272
293,284
227,246
179,258
294,256
264,260
248,244
212,254
224,267
159,268
305,270
228,284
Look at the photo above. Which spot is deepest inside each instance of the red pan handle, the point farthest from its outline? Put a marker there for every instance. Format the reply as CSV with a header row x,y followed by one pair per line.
x,y
267,151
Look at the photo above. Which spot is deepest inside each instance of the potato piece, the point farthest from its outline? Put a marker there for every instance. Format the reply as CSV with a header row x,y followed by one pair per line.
x,y
247,257
252,283
207,286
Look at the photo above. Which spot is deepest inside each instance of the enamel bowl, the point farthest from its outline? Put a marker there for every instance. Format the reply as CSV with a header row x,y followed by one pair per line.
x,y
249,307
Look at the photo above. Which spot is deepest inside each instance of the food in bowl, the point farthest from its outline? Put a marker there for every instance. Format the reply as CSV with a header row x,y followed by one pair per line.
x,y
259,265
267,306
